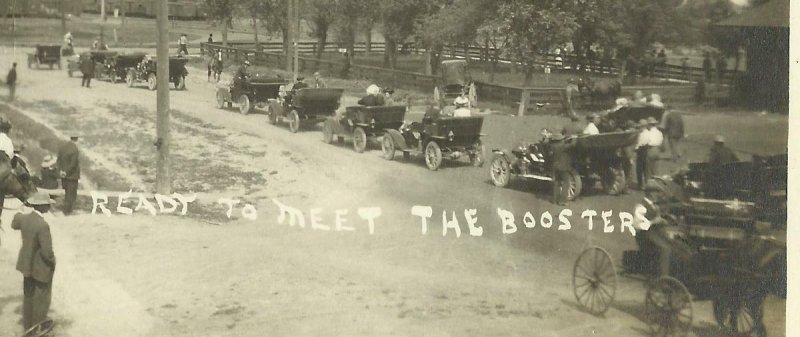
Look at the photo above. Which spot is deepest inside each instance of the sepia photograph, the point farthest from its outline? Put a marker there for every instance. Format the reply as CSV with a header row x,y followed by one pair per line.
x,y
361,168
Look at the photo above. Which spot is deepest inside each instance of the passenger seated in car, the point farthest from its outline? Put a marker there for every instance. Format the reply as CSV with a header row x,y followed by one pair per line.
x,y
373,97
462,109
432,113
300,84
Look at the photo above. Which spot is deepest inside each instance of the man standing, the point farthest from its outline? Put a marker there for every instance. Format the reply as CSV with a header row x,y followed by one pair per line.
x,y
571,93
318,81
69,166
642,149
656,141
183,42
718,156
87,68
11,80
562,165
673,128
591,128
36,261
210,38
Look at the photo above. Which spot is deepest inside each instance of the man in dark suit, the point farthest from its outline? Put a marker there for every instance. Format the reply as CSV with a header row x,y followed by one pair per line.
x,y
673,129
70,168
562,166
36,261
87,68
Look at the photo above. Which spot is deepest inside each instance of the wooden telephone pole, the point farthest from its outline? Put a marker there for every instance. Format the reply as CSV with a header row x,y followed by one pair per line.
x,y
289,31
163,176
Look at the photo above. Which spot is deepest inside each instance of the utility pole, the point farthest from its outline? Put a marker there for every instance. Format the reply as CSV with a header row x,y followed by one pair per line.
x,y
163,176
290,32
296,38
102,21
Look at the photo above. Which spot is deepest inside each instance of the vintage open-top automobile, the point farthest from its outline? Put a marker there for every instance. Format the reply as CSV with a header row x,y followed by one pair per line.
x,y
437,138
45,54
362,123
253,91
100,58
304,106
117,66
146,71
595,158
455,81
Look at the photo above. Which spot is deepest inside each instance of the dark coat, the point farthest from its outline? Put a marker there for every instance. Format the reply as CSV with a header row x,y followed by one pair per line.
x,y
673,125
11,78
562,155
721,155
68,161
87,66
372,100
36,257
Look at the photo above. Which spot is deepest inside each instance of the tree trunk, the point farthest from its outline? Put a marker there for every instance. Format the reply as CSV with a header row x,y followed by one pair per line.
x,y
466,52
287,48
428,62
322,39
528,75
255,34
492,70
63,18
225,34
368,43
390,54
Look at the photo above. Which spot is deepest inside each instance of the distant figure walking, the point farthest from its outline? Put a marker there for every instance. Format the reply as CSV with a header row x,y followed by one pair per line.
x,y
706,67
210,38
70,168
183,43
87,68
11,81
673,128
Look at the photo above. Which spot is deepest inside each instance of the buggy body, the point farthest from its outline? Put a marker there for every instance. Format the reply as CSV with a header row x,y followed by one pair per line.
x,y
363,123
304,106
455,81
250,92
596,158
146,71
438,138
45,55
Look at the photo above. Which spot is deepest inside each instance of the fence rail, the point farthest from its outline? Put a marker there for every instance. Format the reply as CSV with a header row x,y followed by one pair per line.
x,y
526,100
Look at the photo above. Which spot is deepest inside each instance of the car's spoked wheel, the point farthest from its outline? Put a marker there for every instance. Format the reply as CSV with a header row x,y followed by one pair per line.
x,y
574,185
668,308
244,105
220,100
476,157
129,79
500,171
433,156
151,81
327,132
387,146
359,140
294,121
614,181
739,317
594,280
272,117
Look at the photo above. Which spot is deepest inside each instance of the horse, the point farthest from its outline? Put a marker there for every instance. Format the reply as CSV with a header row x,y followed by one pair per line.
x,y
15,180
215,67
602,91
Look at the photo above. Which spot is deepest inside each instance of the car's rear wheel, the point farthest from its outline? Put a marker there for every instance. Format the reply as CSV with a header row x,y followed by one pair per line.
x,y
476,157
244,105
130,78
327,132
359,140
500,171
574,185
614,181
151,81
294,121
272,117
433,156
220,100
387,146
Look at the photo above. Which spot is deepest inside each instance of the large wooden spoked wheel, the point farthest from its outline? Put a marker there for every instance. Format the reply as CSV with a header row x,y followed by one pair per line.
x,y
151,81
477,155
359,139
668,307
294,121
594,280
433,156
574,185
220,100
272,115
130,78
387,146
614,181
740,318
500,171
244,105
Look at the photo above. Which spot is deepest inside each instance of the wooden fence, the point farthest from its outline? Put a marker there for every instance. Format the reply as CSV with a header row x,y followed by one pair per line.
x,y
525,100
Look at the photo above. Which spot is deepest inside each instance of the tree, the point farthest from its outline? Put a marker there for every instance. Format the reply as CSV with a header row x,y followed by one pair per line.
x,y
349,19
319,16
220,12
398,20
255,11
490,33
275,21
534,29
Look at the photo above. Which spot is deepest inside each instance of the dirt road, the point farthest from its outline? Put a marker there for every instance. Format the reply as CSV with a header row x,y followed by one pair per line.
x,y
174,276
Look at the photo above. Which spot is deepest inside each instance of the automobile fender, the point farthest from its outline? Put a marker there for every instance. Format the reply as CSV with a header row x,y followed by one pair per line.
x,y
399,141
225,92
502,152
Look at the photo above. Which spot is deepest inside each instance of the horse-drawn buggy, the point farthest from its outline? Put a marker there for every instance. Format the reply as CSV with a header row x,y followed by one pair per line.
x,y
146,71
596,158
454,82
362,123
730,251
437,138
45,54
304,106
249,92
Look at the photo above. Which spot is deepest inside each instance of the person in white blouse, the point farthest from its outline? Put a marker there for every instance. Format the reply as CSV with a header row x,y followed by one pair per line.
x,y
642,148
591,128
655,141
6,146
462,107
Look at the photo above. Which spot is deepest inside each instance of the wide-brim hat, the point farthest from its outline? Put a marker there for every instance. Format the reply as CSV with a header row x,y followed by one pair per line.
x,y
49,160
643,122
719,139
652,121
461,100
557,137
246,62
40,198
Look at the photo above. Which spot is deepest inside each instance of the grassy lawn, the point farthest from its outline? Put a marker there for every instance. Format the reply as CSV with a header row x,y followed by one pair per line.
x,y
85,30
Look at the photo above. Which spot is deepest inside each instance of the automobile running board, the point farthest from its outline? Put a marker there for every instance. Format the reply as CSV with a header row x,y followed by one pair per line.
x,y
536,176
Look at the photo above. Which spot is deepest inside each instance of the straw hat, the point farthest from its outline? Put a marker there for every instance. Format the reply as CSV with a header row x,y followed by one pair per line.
x,y
40,198
652,121
49,160
461,100
373,89
719,139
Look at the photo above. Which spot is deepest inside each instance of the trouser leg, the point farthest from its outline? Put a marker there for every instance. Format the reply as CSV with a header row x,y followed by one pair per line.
x,y
675,148
40,300
70,194
28,288
652,164
12,91
641,166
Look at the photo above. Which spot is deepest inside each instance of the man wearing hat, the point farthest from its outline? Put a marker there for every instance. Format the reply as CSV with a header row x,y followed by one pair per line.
x,y
562,165
318,82
672,123
49,173
571,93
642,149
718,156
70,168
591,128
300,84
36,260
462,109
241,72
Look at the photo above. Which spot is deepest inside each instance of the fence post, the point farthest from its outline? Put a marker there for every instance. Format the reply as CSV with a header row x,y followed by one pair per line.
x,y
523,104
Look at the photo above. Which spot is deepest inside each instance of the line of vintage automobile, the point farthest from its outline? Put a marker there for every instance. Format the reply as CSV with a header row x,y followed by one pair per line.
x,y
131,68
